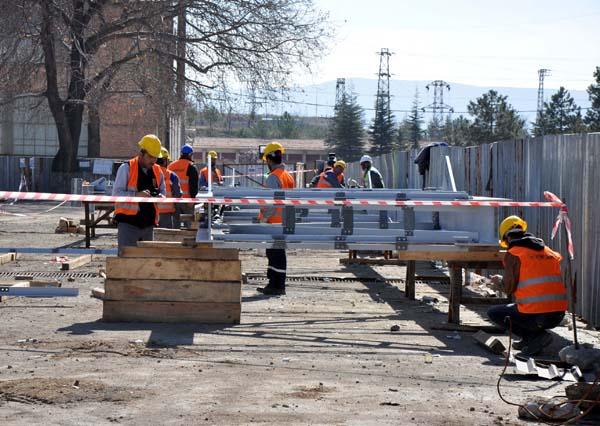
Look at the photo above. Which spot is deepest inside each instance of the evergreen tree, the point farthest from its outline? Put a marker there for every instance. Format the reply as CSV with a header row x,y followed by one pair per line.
x,y
494,119
286,126
346,131
381,131
457,131
414,123
560,115
402,142
592,118
435,130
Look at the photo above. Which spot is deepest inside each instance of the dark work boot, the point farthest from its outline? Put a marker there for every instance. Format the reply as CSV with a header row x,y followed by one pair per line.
x,y
270,290
537,344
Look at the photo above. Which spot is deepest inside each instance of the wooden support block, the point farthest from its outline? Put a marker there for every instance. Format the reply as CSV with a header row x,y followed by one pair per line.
x,y
164,234
173,291
45,283
479,256
77,262
171,312
491,343
410,279
455,293
474,300
97,293
179,252
7,258
186,217
173,269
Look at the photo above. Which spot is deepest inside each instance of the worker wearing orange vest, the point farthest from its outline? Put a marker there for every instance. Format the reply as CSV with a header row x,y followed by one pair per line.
x,y
139,177
188,181
533,278
333,178
217,177
166,211
278,178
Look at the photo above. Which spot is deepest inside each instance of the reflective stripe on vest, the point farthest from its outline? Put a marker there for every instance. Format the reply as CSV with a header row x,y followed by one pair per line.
x,y
286,181
323,182
180,168
540,288
166,207
132,209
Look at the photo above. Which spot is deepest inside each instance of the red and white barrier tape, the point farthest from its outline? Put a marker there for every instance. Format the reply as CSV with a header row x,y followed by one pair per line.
x,y
563,217
41,196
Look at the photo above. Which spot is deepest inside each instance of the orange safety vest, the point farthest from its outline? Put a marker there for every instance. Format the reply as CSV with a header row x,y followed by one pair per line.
x,y
324,183
217,177
540,288
166,207
286,181
132,185
180,168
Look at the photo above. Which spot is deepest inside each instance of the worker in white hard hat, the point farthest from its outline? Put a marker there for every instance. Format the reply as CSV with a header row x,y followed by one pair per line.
x,y
139,177
532,277
371,177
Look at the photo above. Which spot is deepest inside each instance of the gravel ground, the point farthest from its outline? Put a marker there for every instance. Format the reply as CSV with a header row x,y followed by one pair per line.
x,y
323,354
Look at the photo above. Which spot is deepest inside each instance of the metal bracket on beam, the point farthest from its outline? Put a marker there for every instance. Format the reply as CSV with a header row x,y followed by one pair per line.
x,y
336,220
340,243
348,219
289,220
279,195
401,243
302,212
383,219
401,196
409,218
339,196
279,242
435,218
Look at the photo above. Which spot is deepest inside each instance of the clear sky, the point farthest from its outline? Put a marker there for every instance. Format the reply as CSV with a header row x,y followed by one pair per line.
x,y
483,43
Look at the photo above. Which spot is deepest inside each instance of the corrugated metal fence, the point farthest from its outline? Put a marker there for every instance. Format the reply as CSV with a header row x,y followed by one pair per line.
x,y
567,165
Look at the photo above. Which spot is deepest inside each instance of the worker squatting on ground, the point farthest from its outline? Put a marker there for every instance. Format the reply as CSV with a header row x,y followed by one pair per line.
x,y
166,211
188,181
533,278
139,177
334,177
217,176
371,178
278,178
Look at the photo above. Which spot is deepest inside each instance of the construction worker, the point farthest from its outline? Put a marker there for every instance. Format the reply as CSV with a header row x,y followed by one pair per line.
x,y
333,178
188,181
217,177
139,177
166,211
278,178
327,166
533,278
371,178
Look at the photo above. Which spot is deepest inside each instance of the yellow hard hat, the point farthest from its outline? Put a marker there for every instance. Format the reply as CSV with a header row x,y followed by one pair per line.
x,y
507,224
272,147
212,154
340,163
151,144
164,152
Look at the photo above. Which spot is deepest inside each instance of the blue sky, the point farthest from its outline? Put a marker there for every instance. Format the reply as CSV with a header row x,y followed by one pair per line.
x,y
483,43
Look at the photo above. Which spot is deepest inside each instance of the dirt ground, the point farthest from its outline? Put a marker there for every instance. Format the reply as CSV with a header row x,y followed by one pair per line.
x,y
323,354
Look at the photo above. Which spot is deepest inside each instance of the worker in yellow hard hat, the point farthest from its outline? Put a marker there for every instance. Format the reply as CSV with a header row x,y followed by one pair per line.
x,y
139,177
334,177
278,178
166,211
217,176
532,277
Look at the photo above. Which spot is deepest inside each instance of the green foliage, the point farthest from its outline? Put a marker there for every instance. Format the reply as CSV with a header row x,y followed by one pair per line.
x,y
494,119
381,131
560,115
346,131
592,118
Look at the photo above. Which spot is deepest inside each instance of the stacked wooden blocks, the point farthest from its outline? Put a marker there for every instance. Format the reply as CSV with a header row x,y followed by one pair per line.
x,y
168,282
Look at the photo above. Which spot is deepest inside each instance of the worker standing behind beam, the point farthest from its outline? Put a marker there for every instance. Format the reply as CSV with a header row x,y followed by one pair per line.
x,y
333,178
533,278
278,178
188,180
327,166
217,177
371,177
139,177
166,211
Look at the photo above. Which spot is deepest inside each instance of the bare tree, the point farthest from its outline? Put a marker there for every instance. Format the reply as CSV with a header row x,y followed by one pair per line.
x,y
76,52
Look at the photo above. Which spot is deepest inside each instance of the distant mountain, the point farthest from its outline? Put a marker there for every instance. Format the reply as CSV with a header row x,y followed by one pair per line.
x,y
319,99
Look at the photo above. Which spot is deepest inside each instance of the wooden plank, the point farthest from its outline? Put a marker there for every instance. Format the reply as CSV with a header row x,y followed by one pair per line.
x,y
455,293
97,293
7,258
173,291
409,290
164,234
366,261
77,262
171,312
451,255
173,269
45,283
474,300
180,252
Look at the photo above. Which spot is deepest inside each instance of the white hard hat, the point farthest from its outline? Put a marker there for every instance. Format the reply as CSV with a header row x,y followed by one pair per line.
x,y
366,158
